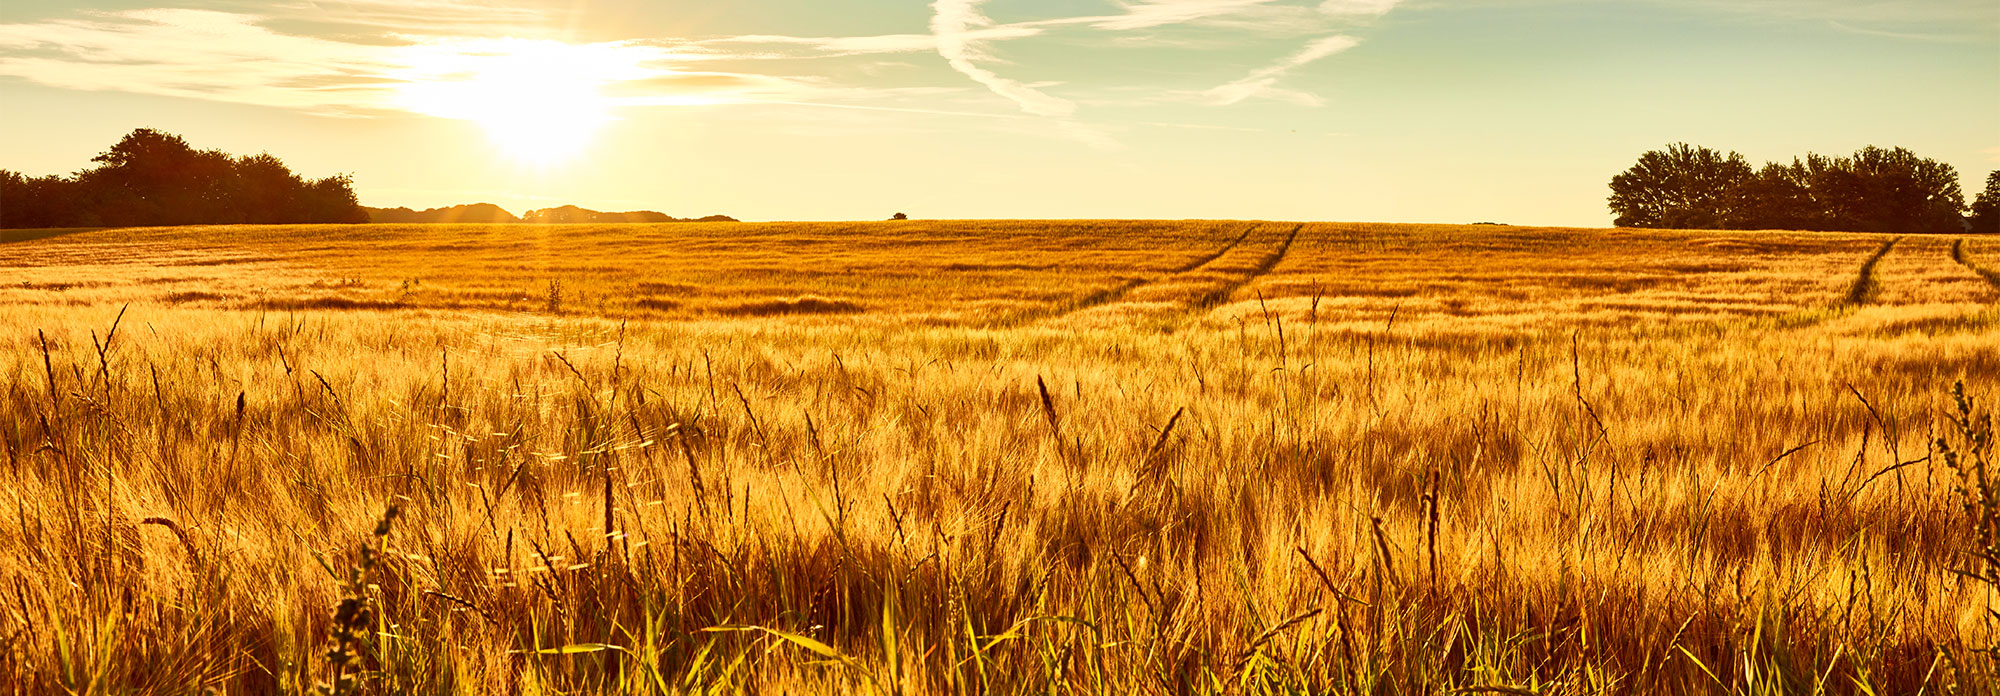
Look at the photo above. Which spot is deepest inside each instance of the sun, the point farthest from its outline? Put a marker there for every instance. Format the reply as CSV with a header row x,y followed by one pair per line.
x,y
540,102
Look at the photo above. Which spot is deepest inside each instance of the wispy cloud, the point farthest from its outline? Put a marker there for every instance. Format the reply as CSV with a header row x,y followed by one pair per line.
x,y
1262,80
957,24
962,33
1905,35
362,57
766,46
1158,13
232,57
417,18
1928,20
197,53
1358,8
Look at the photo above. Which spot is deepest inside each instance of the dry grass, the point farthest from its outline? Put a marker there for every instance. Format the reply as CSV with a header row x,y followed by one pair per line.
x,y
803,304
1075,457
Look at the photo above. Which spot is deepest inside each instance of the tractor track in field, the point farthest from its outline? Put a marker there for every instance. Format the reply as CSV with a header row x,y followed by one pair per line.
x,y
1866,288
1116,292
1964,258
1219,295
1206,260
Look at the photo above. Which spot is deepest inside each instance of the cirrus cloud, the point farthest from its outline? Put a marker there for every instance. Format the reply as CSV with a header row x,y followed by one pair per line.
x,y
361,57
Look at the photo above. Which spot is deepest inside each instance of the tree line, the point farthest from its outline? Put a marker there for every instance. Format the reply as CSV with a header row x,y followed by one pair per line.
x,y
1873,190
155,178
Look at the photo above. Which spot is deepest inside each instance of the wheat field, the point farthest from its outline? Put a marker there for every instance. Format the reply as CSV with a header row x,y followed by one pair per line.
x,y
997,457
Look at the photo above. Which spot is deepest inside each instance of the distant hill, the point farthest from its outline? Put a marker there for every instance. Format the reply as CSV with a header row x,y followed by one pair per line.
x,y
489,213
477,212
571,214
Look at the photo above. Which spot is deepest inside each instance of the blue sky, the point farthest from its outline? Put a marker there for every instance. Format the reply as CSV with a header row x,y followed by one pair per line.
x,y
1366,110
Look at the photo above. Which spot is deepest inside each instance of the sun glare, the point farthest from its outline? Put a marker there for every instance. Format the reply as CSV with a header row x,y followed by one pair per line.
x,y
540,102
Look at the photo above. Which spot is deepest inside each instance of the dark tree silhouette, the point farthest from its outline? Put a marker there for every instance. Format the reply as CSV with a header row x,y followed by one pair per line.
x,y
1875,190
1901,192
1834,190
1986,207
45,201
1779,197
1682,186
899,216
154,178
267,191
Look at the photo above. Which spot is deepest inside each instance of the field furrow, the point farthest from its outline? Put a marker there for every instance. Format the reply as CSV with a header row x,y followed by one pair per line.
x,y
1963,254
1223,292
1867,287
1115,292
1163,302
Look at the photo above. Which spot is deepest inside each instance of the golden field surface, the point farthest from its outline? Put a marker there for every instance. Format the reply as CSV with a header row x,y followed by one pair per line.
x,y
1001,457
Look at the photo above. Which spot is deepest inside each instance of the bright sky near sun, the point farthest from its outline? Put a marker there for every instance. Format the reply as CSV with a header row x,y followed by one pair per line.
x,y
1514,111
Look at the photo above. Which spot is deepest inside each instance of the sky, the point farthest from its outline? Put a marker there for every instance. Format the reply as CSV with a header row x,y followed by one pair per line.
x,y
1443,111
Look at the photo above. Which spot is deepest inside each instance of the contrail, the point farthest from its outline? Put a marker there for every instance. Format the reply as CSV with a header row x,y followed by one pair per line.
x,y
1260,79
954,24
